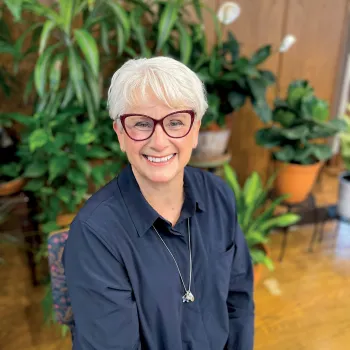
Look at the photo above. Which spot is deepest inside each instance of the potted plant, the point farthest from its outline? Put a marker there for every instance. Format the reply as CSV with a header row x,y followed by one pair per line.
x,y
344,179
58,161
296,139
230,79
256,215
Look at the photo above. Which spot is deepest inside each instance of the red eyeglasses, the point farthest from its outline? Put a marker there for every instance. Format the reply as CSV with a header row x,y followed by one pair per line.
x,y
140,127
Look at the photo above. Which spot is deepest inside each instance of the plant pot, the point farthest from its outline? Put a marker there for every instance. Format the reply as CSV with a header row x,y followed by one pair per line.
x,y
64,220
12,187
258,268
296,180
344,196
212,143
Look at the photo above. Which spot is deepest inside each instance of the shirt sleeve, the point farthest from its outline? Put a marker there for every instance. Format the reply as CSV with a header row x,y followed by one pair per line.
x,y
105,313
240,301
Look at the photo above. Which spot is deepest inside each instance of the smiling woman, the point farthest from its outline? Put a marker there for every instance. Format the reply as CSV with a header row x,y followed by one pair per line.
x,y
156,259
157,106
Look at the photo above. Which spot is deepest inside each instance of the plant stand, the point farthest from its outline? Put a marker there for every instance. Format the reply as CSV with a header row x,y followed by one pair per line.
x,y
211,164
332,214
308,203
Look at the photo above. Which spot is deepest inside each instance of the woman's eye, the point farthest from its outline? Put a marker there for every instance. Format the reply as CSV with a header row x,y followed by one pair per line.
x,y
176,123
142,125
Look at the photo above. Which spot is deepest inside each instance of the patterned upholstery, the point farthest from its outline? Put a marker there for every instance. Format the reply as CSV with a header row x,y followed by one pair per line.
x,y
61,302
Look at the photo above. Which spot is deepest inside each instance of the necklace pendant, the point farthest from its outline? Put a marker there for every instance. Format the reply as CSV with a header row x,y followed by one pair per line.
x,y
188,297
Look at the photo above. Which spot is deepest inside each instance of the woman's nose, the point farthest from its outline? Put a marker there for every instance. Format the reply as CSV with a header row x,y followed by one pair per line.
x,y
159,138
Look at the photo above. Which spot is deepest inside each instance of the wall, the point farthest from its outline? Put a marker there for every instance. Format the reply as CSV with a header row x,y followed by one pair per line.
x,y
319,26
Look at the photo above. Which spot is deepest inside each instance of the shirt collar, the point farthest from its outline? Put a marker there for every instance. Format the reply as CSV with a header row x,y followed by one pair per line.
x,y
141,212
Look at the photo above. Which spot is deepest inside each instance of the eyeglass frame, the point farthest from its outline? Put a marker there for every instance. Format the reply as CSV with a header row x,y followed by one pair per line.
x,y
158,121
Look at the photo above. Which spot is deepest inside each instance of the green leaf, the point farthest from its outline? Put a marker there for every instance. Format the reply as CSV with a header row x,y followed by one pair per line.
x,y
321,152
48,26
34,185
104,37
284,117
232,46
89,104
89,48
138,28
98,153
185,43
76,74
261,55
49,227
263,110
295,133
40,70
15,7
198,9
58,165
35,169
268,137
283,220
66,11
285,154
98,174
320,111
255,238
166,23
76,177
268,76
55,71
236,100
85,138
122,17
84,166
64,194
232,180
38,138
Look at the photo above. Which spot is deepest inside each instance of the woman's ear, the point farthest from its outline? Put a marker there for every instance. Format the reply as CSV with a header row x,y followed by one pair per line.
x,y
118,128
196,128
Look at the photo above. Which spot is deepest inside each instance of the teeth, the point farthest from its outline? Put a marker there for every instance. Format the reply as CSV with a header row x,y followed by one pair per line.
x,y
159,160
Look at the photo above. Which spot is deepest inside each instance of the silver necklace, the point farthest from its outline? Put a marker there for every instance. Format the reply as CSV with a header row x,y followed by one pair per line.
x,y
188,296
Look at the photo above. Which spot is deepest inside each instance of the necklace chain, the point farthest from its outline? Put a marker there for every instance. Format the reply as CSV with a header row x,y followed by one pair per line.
x,y
189,245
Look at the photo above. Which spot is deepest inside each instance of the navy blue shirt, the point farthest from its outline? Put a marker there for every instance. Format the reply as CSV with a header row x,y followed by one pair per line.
x,y
125,289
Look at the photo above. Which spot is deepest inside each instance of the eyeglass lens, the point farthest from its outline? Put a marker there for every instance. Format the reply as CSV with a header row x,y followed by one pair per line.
x,y
141,127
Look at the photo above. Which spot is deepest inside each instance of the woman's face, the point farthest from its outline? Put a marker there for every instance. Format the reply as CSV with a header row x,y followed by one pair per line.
x,y
150,158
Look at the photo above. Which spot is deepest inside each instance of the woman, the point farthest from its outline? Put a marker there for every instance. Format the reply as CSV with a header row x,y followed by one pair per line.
x,y
156,259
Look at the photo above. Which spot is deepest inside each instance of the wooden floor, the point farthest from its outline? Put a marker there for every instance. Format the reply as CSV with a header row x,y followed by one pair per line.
x,y
303,304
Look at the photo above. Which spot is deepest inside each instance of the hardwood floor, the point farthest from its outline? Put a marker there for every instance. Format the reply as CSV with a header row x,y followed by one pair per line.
x,y
303,304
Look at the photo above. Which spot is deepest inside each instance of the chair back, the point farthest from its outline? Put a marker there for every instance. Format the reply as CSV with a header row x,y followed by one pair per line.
x,y
61,301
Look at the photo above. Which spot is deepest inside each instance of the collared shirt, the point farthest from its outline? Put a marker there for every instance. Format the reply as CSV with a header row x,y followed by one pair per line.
x,y
125,288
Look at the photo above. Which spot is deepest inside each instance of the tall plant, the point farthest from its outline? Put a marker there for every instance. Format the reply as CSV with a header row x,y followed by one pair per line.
x,y
256,213
69,45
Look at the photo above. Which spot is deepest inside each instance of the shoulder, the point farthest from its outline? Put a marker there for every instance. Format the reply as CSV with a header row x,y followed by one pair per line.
x,y
103,212
211,188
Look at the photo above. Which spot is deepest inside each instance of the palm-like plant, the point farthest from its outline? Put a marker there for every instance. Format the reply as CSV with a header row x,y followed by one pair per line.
x,y
256,214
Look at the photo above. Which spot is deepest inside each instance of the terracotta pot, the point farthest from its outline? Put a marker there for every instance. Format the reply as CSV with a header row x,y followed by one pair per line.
x,y
212,143
64,220
296,180
11,187
258,268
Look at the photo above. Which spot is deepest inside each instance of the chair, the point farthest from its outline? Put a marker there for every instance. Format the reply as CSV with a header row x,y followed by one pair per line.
x,y
60,297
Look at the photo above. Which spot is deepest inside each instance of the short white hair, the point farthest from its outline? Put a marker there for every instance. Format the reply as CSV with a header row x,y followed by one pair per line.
x,y
172,82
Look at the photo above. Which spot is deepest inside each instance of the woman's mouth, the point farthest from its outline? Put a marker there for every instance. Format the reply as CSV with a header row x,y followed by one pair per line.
x,y
159,160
